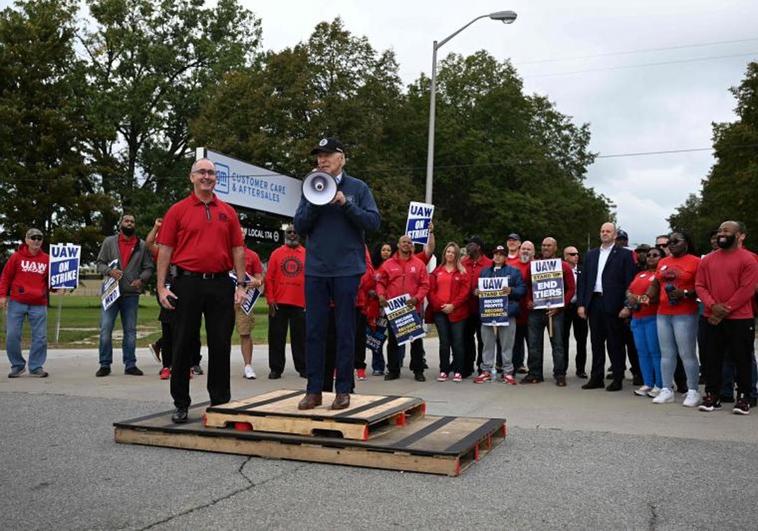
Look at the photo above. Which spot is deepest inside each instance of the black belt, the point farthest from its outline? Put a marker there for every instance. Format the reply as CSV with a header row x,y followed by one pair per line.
x,y
205,276
597,293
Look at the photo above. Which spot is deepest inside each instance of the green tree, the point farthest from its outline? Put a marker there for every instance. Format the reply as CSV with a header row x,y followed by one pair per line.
x,y
45,180
151,64
729,191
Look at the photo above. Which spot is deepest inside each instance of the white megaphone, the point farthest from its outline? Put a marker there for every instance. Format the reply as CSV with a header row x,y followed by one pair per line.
x,y
319,188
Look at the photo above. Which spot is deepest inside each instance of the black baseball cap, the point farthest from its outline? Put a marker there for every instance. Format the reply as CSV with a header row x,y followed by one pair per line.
x,y
475,239
622,235
500,249
328,145
514,236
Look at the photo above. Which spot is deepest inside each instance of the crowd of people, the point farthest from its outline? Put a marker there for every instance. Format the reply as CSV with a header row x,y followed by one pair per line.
x,y
677,318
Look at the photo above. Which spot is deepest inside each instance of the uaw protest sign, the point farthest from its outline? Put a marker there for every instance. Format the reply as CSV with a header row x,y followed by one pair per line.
x,y
547,283
404,321
417,225
64,265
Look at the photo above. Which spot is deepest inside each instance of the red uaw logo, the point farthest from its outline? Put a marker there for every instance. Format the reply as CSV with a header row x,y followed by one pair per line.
x,y
292,267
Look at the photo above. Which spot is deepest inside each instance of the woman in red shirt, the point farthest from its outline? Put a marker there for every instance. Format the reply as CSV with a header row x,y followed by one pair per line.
x,y
448,296
643,311
677,317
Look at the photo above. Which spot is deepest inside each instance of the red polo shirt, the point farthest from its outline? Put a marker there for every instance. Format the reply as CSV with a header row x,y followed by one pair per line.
x,y
202,236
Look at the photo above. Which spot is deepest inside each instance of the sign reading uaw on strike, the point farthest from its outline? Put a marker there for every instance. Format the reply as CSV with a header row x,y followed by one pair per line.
x,y
547,283
404,321
64,265
419,217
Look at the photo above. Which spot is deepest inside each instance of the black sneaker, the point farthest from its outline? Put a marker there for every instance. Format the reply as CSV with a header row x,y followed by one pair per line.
x,y
133,371
741,407
419,376
710,403
197,370
39,372
103,371
15,373
392,376
273,375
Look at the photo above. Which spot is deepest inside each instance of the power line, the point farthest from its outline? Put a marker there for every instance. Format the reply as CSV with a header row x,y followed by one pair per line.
x,y
630,52
642,65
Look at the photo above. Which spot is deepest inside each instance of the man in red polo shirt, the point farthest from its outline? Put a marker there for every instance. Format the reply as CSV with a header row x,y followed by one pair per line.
x,y
202,237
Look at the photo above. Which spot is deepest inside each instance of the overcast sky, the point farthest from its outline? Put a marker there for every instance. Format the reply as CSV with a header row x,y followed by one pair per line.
x,y
630,110
568,51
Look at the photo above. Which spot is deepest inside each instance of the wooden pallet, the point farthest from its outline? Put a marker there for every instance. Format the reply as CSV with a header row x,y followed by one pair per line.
x,y
367,417
433,445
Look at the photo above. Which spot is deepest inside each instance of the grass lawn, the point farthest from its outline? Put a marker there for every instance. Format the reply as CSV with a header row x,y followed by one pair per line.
x,y
80,323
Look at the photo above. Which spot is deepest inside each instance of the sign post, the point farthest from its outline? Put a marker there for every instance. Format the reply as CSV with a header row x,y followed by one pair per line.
x,y
63,273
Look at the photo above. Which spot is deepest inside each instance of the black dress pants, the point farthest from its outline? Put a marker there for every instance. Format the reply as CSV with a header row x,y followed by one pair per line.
x,y
292,317
572,320
197,298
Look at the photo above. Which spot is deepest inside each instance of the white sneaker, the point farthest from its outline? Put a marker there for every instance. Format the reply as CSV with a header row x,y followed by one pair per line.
x,y
666,396
692,399
249,372
654,392
643,391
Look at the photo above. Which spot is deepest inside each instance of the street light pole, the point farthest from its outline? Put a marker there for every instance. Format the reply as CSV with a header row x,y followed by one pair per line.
x,y
506,17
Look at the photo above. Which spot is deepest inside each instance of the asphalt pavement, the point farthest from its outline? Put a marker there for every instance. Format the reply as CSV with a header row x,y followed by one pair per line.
x,y
572,459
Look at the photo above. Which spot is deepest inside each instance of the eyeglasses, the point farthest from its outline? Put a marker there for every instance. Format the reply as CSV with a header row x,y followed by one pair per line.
x,y
573,254
210,173
36,238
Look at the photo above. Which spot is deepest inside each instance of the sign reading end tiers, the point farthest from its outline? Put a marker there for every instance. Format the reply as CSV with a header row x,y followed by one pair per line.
x,y
253,187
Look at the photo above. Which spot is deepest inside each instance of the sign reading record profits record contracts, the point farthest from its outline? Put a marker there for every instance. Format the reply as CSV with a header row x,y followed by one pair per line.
x,y
246,185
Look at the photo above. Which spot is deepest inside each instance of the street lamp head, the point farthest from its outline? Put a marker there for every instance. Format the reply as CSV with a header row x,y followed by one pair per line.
x,y
506,17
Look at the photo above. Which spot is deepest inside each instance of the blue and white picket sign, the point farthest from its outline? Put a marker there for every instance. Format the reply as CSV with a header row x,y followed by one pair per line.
x,y
493,302
404,321
417,225
547,283
64,265
252,296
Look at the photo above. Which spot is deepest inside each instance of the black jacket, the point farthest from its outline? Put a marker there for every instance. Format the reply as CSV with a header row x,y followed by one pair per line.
x,y
618,273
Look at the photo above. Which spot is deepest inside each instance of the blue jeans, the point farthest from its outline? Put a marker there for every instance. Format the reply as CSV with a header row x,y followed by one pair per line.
x,y
126,306
677,335
15,323
645,332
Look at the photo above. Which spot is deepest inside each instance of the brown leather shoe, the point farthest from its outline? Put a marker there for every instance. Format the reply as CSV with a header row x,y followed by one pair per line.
x,y
310,401
341,401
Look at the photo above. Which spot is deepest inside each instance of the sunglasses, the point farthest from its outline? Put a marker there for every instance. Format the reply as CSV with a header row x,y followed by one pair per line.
x,y
573,254
290,232
36,238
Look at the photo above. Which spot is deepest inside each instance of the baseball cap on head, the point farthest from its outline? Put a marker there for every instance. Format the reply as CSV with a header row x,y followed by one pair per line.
x,y
328,145
500,249
33,232
474,239
622,235
514,236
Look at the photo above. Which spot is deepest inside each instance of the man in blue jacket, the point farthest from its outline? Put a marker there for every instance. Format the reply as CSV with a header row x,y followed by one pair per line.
x,y
335,260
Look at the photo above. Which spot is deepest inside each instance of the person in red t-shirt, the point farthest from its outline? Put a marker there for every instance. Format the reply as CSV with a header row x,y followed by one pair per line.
x,y
449,288
246,322
474,262
285,293
202,237
643,311
514,250
726,282
24,281
677,317
521,345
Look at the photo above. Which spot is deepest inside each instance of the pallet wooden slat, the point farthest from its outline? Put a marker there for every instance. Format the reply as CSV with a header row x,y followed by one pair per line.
x,y
435,445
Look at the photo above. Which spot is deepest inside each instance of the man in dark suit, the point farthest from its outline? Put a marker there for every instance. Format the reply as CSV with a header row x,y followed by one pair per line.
x,y
608,270
572,320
